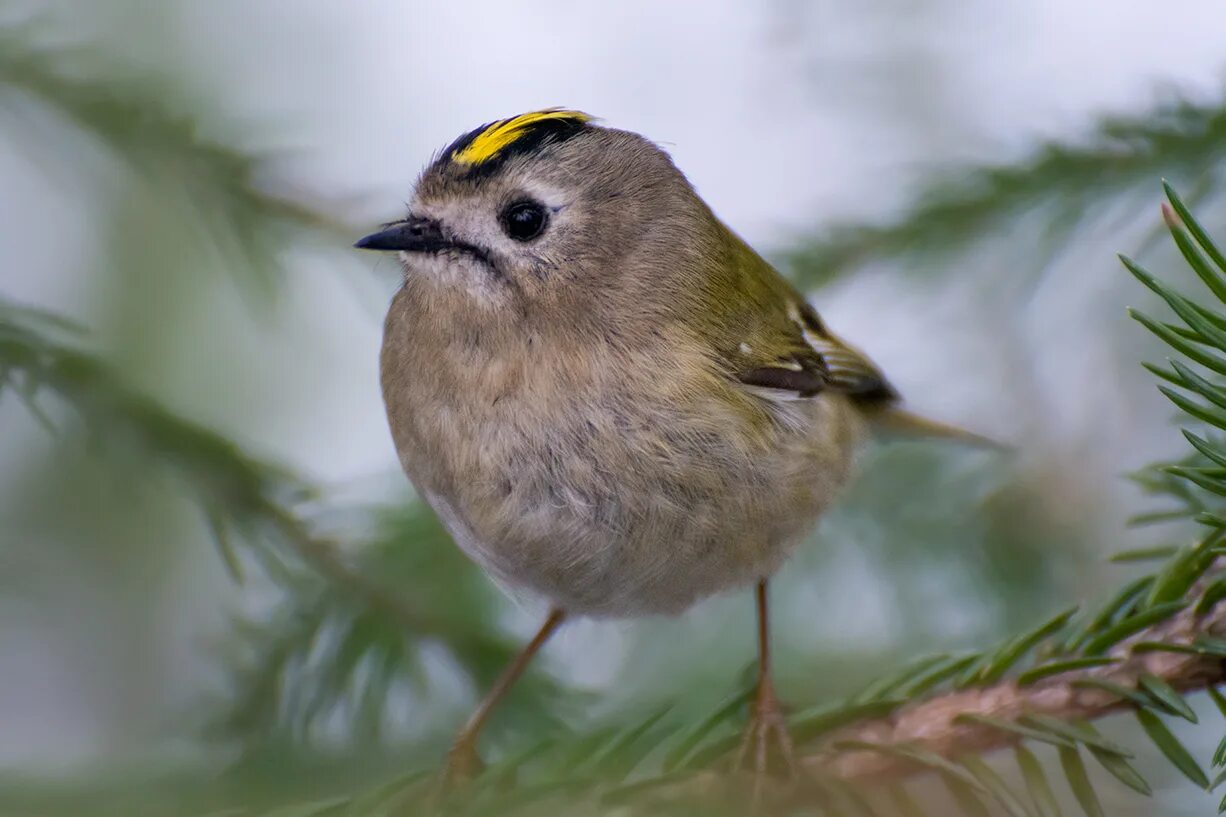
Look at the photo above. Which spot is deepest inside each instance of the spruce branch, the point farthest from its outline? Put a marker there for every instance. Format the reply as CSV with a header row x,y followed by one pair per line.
x,y
1178,137
132,118
241,197
324,557
37,355
977,720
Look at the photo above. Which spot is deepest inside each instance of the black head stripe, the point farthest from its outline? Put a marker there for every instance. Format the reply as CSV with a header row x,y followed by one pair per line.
x,y
485,149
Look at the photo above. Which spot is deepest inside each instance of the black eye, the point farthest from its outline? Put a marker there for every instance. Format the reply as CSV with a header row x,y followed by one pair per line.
x,y
524,220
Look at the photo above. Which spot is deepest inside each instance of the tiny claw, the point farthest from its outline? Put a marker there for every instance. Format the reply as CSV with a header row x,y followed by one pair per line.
x,y
463,764
767,729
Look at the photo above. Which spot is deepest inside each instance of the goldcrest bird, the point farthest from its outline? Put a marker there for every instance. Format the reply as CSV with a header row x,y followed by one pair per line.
x,y
609,399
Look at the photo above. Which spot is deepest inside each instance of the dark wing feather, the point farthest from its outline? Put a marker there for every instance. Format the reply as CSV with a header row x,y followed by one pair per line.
x,y
804,382
769,338
816,361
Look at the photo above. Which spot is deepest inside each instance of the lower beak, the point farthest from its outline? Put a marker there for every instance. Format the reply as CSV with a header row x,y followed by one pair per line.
x,y
414,234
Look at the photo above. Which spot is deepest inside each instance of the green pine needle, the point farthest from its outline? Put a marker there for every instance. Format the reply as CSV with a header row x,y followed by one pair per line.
x,y
1074,732
1214,593
1193,226
1177,577
1163,374
1122,771
966,797
1206,359
1206,414
994,783
1170,746
692,737
1120,604
629,748
916,756
1130,626
925,681
1079,782
809,724
1119,690
1001,661
1149,554
225,545
888,685
1196,260
1141,647
1218,699
1212,452
1210,645
1117,766
1197,477
1203,329
1059,667
1166,696
1219,754
628,793
1041,796
1212,392
1016,729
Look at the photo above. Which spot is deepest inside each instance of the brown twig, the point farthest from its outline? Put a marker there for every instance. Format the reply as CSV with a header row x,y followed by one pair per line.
x,y
933,724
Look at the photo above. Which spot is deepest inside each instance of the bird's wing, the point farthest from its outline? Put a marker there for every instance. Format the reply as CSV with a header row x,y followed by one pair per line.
x,y
771,339
792,355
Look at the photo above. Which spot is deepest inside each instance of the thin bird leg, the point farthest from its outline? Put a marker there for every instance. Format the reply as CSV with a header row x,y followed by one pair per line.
x,y
463,762
767,724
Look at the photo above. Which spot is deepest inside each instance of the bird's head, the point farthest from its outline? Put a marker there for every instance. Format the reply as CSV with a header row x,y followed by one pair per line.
x,y
546,206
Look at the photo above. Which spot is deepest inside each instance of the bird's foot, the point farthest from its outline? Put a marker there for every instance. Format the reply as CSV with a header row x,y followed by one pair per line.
x,y
463,764
766,747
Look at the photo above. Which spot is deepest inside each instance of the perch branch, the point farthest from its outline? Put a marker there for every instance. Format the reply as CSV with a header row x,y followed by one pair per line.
x,y
931,724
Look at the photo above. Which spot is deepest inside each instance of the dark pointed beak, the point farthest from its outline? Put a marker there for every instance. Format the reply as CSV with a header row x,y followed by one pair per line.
x,y
414,234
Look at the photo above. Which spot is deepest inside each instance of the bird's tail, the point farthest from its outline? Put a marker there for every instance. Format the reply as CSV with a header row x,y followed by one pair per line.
x,y
894,421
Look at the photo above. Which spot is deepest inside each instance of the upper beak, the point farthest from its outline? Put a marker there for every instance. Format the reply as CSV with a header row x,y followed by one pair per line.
x,y
414,234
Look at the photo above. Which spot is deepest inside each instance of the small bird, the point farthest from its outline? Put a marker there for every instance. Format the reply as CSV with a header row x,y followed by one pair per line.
x,y
609,399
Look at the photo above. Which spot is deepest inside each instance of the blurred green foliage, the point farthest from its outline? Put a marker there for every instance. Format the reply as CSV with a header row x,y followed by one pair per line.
x,y
359,634
1063,186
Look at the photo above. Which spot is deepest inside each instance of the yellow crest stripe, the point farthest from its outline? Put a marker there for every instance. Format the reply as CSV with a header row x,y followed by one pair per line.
x,y
505,132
